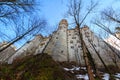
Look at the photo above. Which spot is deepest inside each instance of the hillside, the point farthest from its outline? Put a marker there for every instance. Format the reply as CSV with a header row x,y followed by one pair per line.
x,y
39,67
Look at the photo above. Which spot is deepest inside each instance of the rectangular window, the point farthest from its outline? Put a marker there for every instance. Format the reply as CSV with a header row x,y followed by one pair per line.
x,y
78,41
61,51
76,33
73,37
79,46
69,34
56,37
72,47
71,41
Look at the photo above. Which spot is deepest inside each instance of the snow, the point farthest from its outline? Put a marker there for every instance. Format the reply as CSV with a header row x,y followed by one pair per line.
x,y
79,76
82,76
117,75
75,68
83,68
106,76
71,70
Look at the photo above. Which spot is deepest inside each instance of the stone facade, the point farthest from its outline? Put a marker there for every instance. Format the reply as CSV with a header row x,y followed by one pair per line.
x,y
57,47
28,49
5,54
94,43
65,45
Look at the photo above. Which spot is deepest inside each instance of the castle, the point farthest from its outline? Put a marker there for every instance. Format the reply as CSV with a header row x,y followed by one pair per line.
x,y
64,45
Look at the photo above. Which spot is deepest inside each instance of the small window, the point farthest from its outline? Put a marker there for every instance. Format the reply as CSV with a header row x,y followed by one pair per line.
x,y
73,37
71,41
72,47
69,34
56,37
42,44
95,45
61,51
76,33
79,46
78,41
90,40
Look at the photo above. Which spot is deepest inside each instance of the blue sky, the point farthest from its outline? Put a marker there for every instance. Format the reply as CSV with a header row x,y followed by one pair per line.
x,y
55,10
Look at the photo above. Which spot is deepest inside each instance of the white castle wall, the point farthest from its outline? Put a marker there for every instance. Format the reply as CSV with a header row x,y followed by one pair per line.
x,y
5,54
42,45
74,46
101,47
57,47
27,49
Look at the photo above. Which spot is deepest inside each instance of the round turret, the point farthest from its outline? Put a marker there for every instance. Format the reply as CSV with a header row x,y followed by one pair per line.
x,y
63,21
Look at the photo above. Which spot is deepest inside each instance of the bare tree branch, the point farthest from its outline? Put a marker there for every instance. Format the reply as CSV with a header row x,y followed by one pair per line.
x,y
35,27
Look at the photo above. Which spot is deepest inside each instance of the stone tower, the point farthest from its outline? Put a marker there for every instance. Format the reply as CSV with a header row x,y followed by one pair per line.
x,y
57,47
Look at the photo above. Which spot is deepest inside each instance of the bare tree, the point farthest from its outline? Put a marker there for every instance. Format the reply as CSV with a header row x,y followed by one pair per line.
x,y
111,19
75,11
12,9
111,15
32,29
15,14
105,28
98,54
